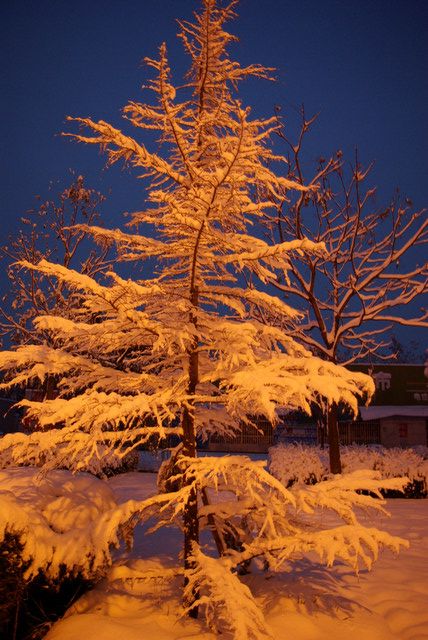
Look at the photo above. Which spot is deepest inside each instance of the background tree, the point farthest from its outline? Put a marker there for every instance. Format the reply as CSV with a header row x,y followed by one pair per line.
x,y
49,233
194,359
372,275
409,352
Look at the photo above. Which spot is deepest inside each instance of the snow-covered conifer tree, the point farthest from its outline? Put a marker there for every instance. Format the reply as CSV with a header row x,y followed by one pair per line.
x,y
193,359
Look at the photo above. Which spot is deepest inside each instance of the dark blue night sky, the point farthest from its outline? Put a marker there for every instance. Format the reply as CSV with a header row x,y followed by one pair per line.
x,y
362,64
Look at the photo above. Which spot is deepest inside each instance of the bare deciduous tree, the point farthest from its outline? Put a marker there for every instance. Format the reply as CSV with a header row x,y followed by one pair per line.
x,y
371,277
49,233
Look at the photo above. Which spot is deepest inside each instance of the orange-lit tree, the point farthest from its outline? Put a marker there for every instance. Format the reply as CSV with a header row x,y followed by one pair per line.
x,y
194,358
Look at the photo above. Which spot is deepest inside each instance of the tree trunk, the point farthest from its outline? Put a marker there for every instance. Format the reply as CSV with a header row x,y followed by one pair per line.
x,y
190,515
333,439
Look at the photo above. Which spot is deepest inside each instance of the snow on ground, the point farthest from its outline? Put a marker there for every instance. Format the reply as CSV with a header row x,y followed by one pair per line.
x,y
307,602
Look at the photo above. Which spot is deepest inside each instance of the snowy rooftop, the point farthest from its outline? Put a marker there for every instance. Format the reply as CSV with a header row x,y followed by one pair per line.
x,y
375,413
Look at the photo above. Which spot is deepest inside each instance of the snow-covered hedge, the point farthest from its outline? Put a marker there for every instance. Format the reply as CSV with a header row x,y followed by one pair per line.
x,y
296,463
66,524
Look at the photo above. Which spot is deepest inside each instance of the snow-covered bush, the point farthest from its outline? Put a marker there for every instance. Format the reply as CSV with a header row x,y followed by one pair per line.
x,y
305,463
66,523
405,462
421,450
55,515
292,463
12,583
43,563
357,456
400,462
28,607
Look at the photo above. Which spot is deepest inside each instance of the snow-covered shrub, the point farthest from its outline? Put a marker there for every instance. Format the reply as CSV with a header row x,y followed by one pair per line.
x,y
309,464
44,562
396,462
12,583
391,463
421,450
399,462
28,607
357,456
55,515
297,463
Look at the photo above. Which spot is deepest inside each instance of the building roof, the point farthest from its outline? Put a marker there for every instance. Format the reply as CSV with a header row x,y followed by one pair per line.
x,y
387,411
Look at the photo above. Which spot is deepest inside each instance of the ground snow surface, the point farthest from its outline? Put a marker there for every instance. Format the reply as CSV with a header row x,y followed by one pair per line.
x,y
307,602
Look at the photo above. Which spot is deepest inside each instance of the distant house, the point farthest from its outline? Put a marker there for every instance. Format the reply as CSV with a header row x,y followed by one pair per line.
x,y
398,413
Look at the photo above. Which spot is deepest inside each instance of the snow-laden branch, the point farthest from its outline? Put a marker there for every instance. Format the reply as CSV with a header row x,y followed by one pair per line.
x,y
122,147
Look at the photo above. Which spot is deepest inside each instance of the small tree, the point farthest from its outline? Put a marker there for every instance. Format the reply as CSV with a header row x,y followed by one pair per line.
x,y
354,292
49,233
410,352
193,358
